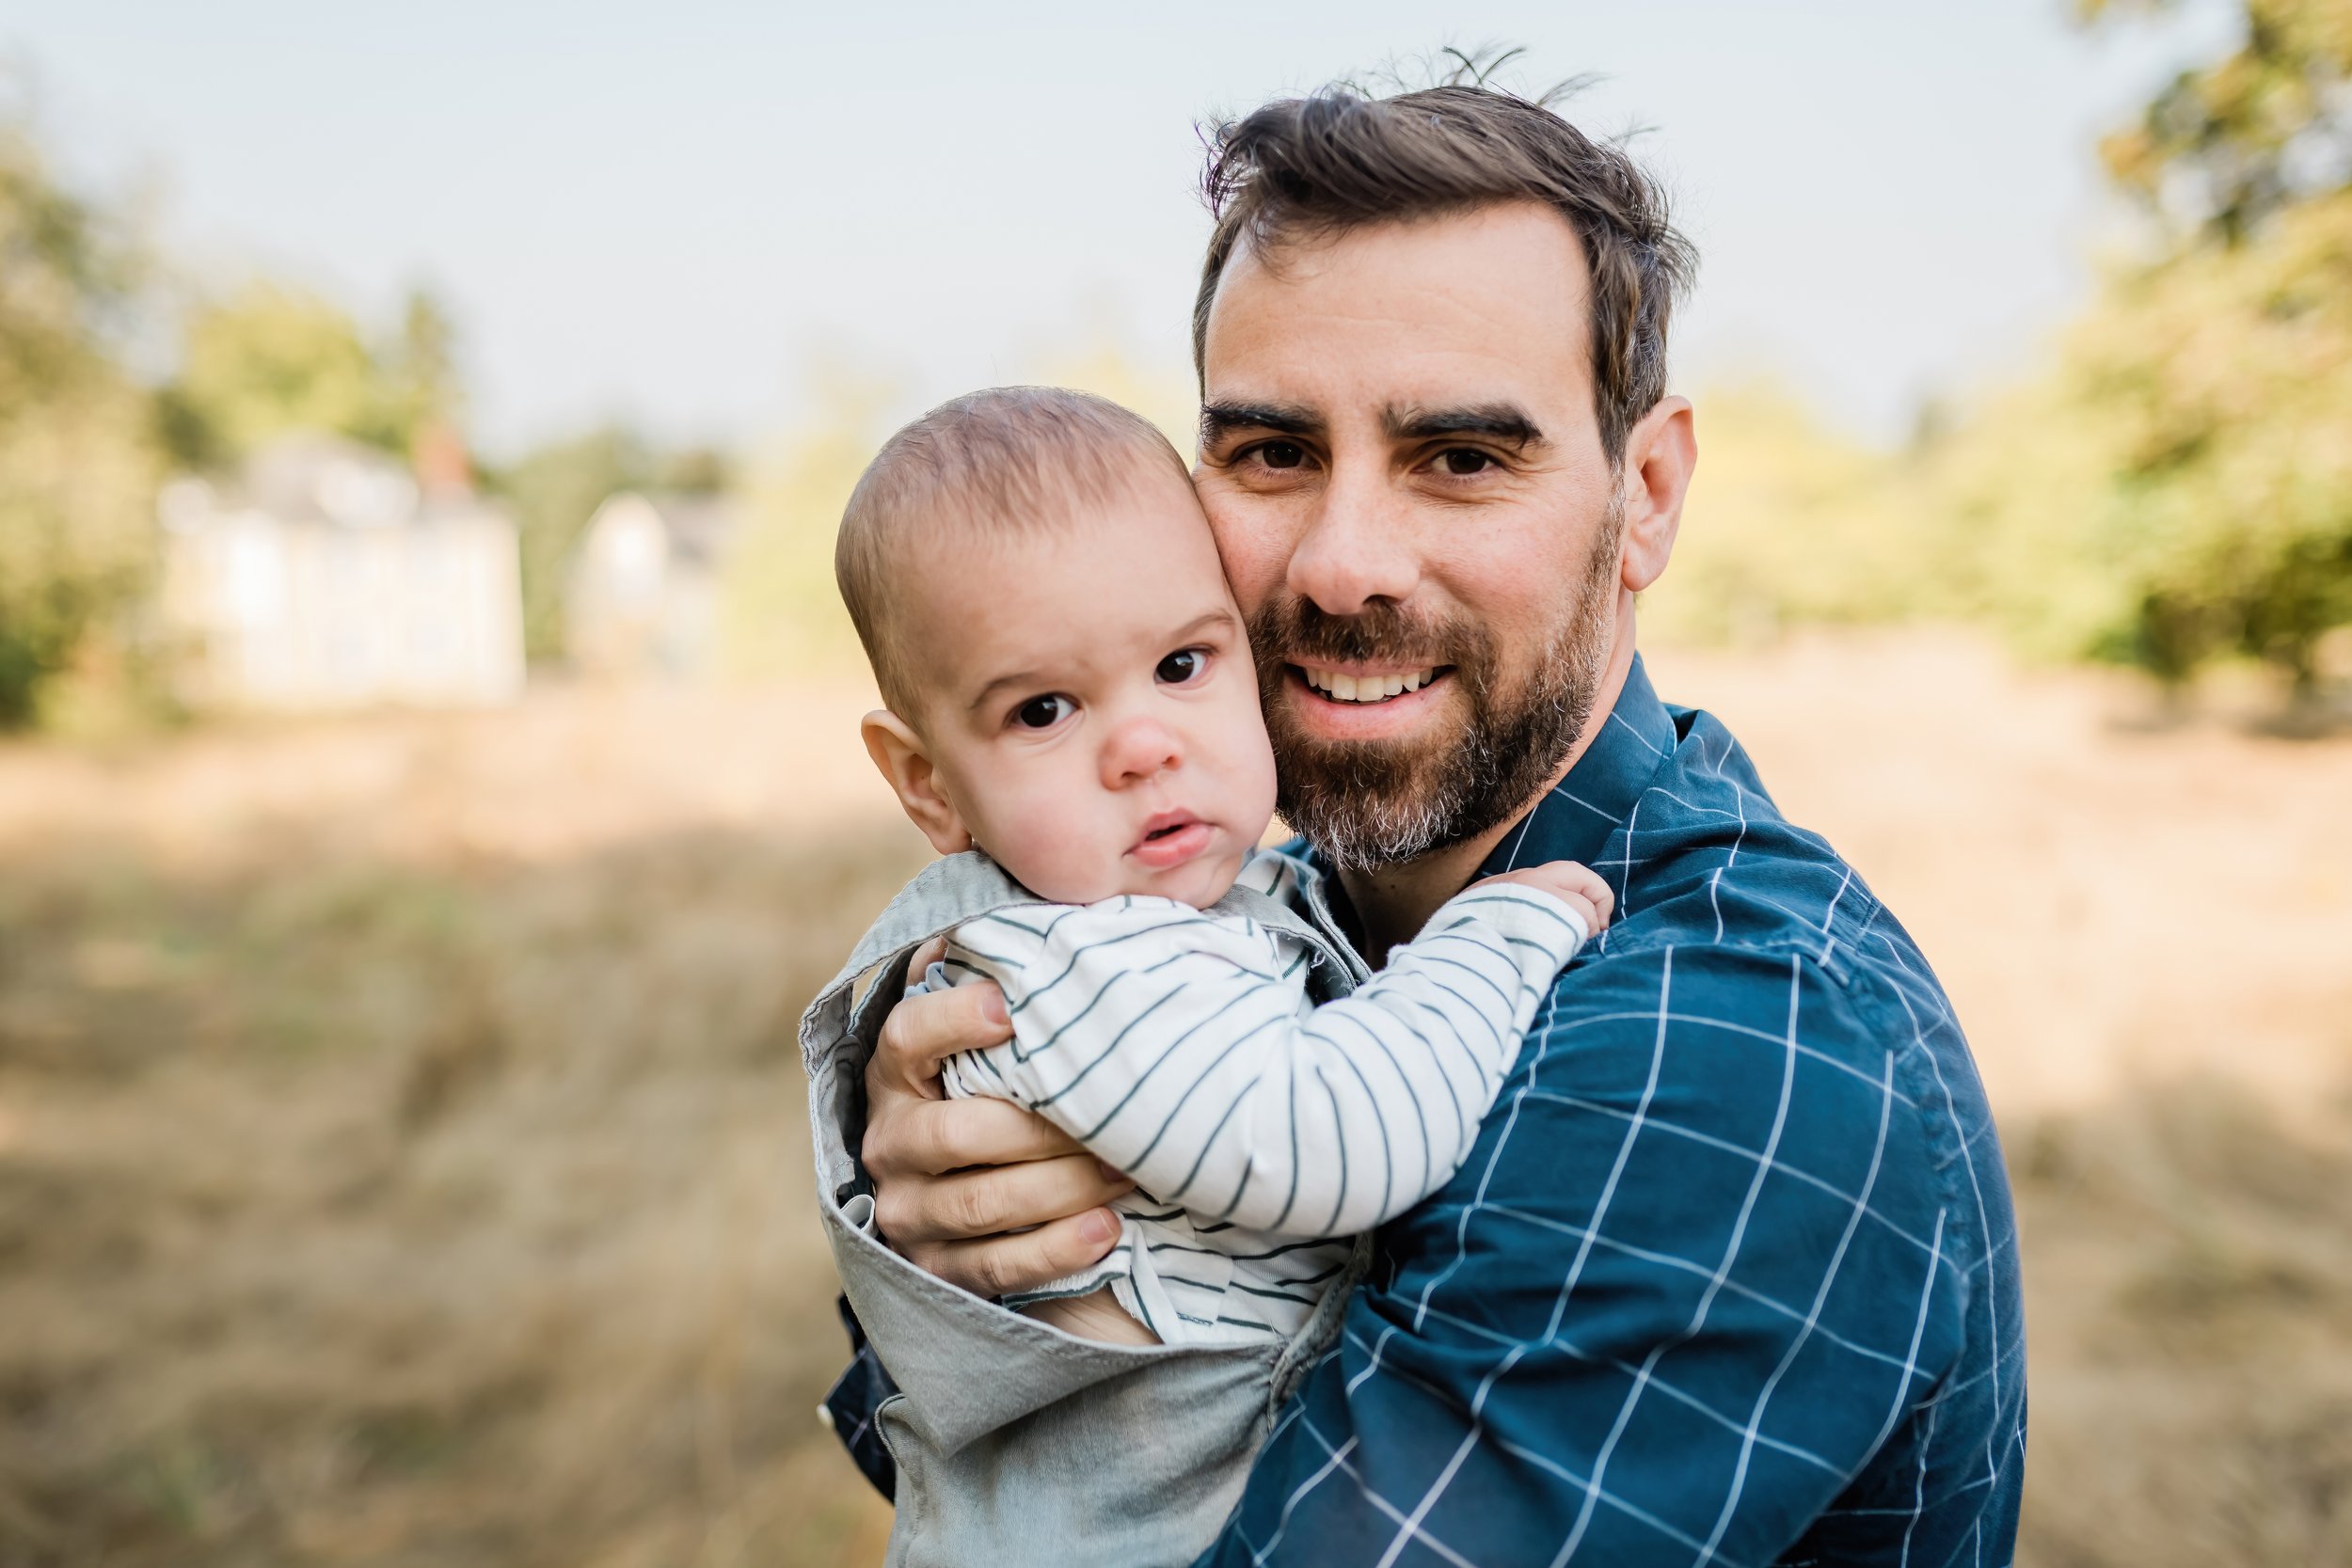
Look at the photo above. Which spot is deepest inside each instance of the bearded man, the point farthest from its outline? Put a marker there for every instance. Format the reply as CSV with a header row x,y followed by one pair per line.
x,y
1731,1274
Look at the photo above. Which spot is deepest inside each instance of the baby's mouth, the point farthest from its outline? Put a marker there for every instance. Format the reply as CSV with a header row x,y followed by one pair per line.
x,y
1170,838
1336,687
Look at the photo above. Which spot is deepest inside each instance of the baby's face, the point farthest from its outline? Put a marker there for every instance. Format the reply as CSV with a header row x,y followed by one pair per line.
x,y
1091,705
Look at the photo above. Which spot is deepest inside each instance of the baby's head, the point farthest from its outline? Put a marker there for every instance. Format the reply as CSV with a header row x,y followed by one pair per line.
x,y
1068,681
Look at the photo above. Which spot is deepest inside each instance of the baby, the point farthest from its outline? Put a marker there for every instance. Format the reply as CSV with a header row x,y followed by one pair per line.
x,y
1071,693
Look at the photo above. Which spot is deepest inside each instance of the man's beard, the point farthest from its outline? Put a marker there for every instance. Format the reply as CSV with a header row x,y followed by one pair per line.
x,y
1367,804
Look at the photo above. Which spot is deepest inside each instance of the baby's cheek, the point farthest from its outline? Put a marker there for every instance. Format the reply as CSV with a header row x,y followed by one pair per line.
x,y
1056,856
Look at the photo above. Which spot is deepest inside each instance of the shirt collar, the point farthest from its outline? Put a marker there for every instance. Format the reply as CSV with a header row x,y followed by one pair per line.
x,y
1573,822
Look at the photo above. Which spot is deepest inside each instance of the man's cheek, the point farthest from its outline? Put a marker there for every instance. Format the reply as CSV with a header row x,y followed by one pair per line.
x,y
1253,546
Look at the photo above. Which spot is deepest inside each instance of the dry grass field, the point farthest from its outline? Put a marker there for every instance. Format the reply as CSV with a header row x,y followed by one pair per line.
x,y
402,1156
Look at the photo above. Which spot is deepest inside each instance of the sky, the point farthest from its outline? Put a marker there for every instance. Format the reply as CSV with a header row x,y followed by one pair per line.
x,y
706,216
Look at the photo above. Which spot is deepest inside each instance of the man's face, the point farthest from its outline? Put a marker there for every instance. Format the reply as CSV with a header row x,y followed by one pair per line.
x,y
1401,462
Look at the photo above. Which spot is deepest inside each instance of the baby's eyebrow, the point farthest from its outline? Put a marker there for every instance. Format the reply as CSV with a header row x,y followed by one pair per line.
x,y
1018,678
1217,617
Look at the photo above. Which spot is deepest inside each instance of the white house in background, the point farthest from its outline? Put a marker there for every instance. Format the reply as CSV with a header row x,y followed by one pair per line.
x,y
321,576
644,595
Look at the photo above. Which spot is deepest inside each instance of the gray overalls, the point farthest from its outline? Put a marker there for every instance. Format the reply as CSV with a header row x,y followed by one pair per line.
x,y
1017,1443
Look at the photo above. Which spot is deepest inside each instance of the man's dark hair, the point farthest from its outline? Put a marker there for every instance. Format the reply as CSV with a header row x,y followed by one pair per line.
x,y
1319,166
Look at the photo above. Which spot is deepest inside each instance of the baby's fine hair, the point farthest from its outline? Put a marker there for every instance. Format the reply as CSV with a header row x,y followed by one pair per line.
x,y
1003,459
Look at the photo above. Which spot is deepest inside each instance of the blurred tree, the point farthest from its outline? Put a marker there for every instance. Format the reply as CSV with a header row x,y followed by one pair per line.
x,y
2179,487
779,610
271,359
2225,146
1100,363
554,489
696,472
78,467
422,389
1788,523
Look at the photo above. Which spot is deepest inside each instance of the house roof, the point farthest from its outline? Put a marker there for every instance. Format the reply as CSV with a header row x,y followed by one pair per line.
x,y
313,478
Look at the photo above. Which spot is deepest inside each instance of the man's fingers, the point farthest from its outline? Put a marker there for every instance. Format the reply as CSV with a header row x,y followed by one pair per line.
x,y
1001,1265
924,1031
926,956
976,1204
939,1135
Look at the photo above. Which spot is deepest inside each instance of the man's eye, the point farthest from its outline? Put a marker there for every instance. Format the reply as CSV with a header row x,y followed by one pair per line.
x,y
1463,460
1042,713
1281,454
1188,664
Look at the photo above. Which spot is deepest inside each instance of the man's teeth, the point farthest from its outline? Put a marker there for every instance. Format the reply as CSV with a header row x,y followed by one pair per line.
x,y
1366,689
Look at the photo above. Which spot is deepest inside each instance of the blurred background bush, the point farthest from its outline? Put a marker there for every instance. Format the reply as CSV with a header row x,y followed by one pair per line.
x,y
401,1132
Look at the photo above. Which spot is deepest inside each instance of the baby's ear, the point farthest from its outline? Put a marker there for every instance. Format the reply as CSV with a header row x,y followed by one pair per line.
x,y
906,762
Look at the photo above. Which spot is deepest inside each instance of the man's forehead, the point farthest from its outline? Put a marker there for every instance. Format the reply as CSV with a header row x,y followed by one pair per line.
x,y
1436,312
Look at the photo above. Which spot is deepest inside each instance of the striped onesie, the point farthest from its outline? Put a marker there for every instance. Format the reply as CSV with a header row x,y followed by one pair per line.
x,y
1263,1132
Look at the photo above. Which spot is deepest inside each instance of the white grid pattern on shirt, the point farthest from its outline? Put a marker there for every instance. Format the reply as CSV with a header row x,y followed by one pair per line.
x,y
1940,1268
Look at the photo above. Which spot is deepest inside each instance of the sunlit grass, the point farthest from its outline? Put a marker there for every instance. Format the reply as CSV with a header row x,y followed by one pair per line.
x,y
403,1152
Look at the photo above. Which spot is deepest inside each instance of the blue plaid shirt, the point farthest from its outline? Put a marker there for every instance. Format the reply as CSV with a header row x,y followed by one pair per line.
x,y
1731,1274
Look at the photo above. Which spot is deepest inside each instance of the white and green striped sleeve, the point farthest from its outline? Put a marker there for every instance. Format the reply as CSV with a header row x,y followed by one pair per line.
x,y
1177,1046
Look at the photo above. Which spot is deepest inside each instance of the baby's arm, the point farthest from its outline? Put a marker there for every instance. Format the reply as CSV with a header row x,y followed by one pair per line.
x,y
1163,1040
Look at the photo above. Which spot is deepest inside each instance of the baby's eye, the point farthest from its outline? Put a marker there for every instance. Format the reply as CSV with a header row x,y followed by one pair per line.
x,y
1186,664
1043,713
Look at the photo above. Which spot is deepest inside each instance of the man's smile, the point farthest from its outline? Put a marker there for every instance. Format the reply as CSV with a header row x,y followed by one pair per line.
x,y
1365,684
1364,703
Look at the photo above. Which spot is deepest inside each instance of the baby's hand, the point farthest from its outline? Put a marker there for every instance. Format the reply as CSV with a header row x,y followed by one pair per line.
x,y
1580,887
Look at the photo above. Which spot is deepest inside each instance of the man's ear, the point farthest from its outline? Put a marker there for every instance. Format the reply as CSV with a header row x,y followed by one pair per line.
x,y
1661,453
900,754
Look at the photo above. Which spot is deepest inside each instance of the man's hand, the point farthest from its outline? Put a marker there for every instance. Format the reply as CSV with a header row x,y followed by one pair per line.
x,y
1580,887
955,1179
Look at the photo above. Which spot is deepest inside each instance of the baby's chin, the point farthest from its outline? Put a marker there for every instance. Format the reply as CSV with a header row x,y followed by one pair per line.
x,y
1194,884
1197,883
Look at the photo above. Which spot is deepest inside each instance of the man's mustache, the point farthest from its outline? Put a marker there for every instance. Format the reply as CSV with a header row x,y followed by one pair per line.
x,y
1293,630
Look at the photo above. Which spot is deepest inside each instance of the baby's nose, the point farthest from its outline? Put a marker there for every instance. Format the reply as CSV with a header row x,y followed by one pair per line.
x,y
1141,749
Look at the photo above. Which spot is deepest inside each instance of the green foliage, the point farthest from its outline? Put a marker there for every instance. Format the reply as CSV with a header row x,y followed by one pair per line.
x,y
2175,487
419,368
778,607
271,359
78,467
2178,488
2225,146
554,489
1788,523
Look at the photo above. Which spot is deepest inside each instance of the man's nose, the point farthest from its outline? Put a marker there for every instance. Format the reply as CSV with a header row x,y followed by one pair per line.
x,y
1357,547
1137,751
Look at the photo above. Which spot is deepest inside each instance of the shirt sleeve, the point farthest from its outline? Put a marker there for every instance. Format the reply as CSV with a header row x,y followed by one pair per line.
x,y
1694,1275
1173,1045
850,1405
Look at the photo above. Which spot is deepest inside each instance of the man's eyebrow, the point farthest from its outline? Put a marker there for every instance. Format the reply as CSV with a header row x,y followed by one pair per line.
x,y
1497,422
1219,420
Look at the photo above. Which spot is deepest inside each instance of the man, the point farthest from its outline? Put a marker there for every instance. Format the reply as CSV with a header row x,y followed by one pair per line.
x,y
1731,1274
